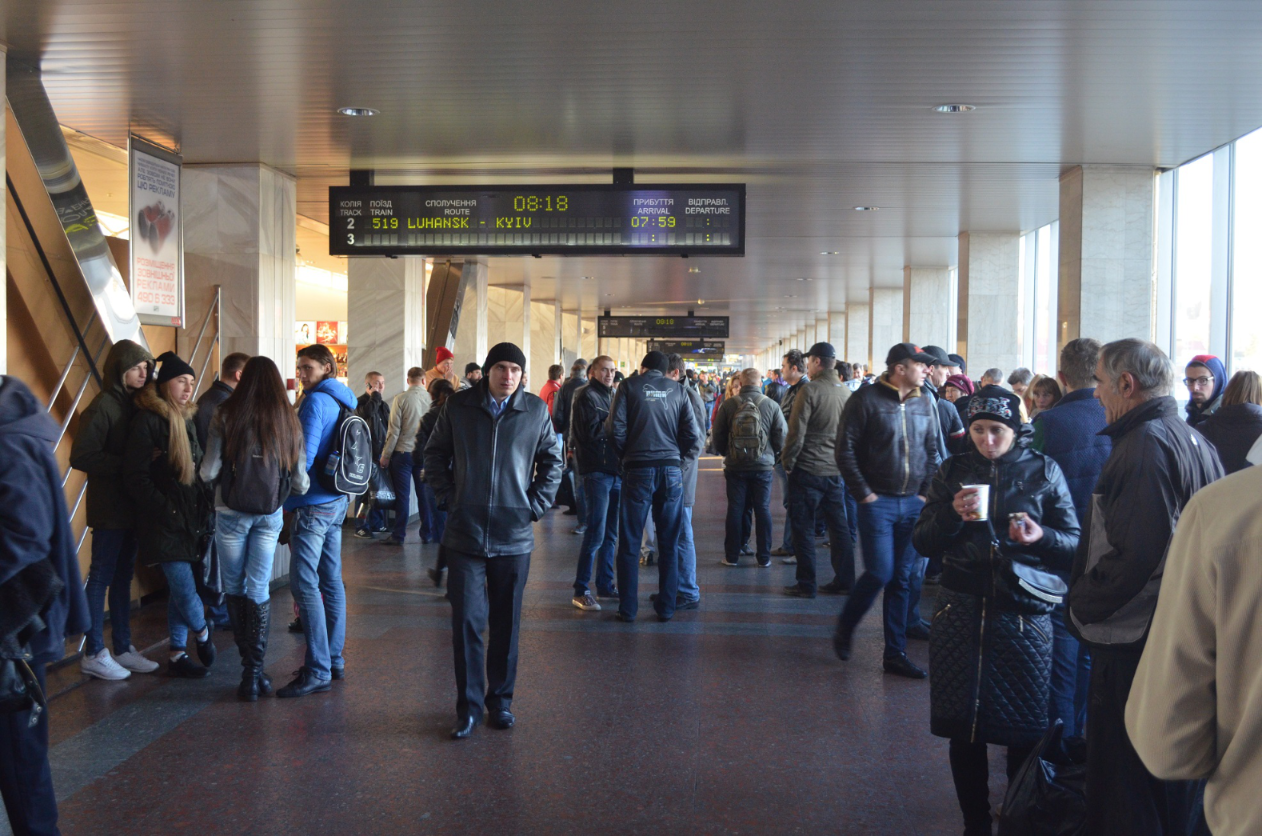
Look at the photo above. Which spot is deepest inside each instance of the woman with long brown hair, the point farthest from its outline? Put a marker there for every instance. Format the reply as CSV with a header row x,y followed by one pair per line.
x,y
1237,424
172,507
254,449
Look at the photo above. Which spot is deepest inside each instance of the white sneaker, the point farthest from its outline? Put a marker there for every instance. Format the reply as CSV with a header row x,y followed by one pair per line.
x,y
103,666
134,662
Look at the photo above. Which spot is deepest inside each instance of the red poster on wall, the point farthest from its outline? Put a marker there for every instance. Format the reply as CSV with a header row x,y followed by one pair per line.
x,y
326,333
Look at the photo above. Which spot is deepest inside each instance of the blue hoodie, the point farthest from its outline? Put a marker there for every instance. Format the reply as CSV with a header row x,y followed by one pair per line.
x,y
37,548
1197,414
318,415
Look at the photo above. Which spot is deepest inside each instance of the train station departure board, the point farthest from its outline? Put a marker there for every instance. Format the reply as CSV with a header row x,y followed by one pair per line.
x,y
663,327
700,219
690,348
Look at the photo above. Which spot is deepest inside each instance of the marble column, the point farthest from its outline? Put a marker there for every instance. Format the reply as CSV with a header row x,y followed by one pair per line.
x,y
480,281
385,304
588,326
988,286
571,340
837,331
240,224
508,317
1106,253
928,307
887,322
858,326
543,342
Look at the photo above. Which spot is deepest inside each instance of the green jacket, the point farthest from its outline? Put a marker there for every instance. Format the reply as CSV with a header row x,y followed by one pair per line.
x,y
101,437
812,438
170,517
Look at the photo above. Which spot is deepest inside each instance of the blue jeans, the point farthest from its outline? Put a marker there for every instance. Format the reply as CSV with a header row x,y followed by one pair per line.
x,y
113,563
782,479
403,475
815,498
915,585
885,527
374,520
437,519
316,578
247,548
184,605
656,491
26,780
601,492
1071,675
688,588
748,491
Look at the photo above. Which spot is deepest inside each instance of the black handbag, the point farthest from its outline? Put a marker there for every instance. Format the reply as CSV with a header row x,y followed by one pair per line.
x,y
1023,579
381,490
19,687
210,574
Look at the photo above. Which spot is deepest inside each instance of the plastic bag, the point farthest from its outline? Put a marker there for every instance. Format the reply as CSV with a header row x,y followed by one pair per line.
x,y
1047,797
381,490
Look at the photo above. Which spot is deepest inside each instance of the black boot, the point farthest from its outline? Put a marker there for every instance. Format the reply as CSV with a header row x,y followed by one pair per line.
x,y
260,618
240,615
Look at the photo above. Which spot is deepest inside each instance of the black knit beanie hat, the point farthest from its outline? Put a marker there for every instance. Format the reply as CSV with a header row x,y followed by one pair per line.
x,y
502,352
995,403
656,361
171,366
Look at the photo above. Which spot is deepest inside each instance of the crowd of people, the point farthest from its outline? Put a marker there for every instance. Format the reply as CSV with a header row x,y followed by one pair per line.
x,y
1094,568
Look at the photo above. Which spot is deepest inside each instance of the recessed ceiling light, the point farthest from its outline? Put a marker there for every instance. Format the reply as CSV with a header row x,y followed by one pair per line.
x,y
700,301
805,279
357,111
831,252
955,108
694,269
867,208
790,296
587,278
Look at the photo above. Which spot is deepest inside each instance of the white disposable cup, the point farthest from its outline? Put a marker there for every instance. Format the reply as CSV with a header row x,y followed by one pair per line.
x,y
983,502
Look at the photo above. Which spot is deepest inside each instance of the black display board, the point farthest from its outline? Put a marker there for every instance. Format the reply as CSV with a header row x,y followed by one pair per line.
x,y
696,219
690,348
664,327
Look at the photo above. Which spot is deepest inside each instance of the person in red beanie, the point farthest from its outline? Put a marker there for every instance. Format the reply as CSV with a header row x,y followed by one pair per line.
x,y
444,361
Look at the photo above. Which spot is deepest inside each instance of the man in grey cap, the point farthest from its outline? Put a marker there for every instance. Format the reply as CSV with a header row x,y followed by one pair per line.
x,y
815,485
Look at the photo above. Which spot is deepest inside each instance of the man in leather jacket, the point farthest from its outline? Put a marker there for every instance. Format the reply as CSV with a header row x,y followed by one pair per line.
x,y
599,473
887,451
652,427
1157,463
494,463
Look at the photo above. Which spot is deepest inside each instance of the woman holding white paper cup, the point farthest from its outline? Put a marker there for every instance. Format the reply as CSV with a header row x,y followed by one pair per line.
x,y
1002,520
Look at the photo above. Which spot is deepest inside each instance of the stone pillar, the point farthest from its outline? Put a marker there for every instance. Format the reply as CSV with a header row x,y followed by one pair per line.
x,y
1106,253
480,281
928,309
386,318
837,332
588,326
571,340
988,287
543,342
887,322
858,327
240,222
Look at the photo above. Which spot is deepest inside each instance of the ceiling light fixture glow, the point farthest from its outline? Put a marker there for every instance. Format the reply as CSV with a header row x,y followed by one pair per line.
x,y
831,252
867,208
955,108
357,111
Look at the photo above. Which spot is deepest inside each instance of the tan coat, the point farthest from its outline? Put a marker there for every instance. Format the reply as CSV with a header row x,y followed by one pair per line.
x,y
1194,705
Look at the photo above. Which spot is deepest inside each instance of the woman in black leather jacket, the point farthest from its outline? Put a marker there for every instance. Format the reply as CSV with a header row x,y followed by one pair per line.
x,y
990,646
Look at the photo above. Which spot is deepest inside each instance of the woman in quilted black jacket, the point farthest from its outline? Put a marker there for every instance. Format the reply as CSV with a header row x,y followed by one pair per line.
x,y
990,646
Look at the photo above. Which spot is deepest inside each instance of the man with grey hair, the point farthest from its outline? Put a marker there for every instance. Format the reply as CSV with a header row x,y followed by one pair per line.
x,y
991,377
1156,464
1019,381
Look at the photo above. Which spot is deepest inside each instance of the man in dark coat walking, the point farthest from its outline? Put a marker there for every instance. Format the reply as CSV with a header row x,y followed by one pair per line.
x,y
494,463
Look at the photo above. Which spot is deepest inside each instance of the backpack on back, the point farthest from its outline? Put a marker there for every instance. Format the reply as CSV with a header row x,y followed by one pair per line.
x,y
254,485
348,467
748,439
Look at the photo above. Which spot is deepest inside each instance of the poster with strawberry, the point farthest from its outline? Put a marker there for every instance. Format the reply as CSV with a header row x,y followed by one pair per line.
x,y
157,259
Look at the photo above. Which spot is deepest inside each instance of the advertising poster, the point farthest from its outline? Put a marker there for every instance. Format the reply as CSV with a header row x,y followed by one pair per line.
x,y
157,246
326,333
304,332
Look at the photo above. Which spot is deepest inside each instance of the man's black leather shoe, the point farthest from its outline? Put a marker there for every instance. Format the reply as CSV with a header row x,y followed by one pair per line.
x,y
337,673
466,728
794,590
902,666
918,631
841,641
304,682
623,617
682,603
502,718
835,588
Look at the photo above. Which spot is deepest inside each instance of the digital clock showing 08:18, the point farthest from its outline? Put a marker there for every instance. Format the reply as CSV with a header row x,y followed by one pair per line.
x,y
541,203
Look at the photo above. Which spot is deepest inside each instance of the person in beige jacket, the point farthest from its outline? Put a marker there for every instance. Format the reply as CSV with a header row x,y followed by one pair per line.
x,y
1195,707
406,411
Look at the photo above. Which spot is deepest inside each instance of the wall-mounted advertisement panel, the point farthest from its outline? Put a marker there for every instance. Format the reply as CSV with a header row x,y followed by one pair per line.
x,y
157,242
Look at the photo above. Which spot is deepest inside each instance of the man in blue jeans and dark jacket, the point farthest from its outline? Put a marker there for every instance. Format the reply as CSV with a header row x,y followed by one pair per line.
x,y
652,427
887,451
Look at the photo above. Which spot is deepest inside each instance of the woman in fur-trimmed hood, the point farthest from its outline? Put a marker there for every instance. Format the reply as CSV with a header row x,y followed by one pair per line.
x,y
172,504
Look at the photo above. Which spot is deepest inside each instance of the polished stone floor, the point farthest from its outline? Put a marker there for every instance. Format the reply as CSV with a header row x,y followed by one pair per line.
x,y
735,718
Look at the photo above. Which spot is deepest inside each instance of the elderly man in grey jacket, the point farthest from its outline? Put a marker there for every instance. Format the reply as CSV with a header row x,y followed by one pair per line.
x,y
748,432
